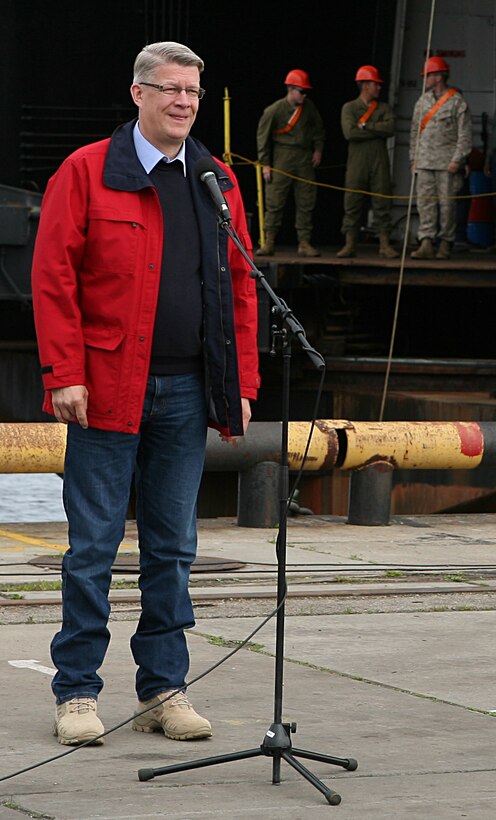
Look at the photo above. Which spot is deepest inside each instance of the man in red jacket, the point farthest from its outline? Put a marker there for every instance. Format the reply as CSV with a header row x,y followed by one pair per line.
x,y
146,322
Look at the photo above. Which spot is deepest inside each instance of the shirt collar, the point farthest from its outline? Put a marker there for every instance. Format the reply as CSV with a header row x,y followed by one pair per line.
x,y
149,156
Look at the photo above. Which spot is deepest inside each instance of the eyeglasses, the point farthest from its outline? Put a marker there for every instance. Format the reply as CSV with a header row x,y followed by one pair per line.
x,y
192,92
301,90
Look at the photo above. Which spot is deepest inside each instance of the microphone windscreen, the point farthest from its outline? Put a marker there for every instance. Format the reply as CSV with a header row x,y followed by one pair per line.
x,y
206,164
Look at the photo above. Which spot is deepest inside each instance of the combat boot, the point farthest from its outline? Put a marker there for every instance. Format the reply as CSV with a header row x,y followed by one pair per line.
x,y
173,715
267,249
306,249
385,248
349,248
76,722
424,251
444,250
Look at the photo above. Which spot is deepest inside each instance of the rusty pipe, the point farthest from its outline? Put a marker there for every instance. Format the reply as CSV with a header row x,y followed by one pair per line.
x,y
414,445
40,447
37,447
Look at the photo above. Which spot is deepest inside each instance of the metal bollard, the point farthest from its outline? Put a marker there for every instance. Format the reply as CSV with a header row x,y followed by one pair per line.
x,y
258,495
370,494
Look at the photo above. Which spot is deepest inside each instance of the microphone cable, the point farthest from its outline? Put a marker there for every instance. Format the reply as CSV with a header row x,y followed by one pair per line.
x,y
117,726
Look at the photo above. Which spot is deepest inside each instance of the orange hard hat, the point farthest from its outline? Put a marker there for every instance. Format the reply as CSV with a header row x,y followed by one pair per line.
x,y
434,65
367,73
298,77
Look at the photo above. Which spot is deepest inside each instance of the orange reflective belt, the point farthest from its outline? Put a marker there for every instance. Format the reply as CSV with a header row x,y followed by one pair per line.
x,y
435,108
370,110
292,122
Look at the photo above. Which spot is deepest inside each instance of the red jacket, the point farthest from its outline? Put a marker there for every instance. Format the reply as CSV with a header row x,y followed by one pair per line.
x,y
96,275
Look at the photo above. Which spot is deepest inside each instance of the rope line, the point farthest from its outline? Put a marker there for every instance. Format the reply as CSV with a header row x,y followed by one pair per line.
x,y
246,161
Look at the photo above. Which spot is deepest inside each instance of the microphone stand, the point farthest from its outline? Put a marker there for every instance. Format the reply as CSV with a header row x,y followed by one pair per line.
x,y
277,741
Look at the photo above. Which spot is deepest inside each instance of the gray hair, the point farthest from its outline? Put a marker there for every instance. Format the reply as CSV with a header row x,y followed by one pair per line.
x,y
155,55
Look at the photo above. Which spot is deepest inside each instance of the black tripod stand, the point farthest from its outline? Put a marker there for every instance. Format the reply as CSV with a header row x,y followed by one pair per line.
x,y
277,741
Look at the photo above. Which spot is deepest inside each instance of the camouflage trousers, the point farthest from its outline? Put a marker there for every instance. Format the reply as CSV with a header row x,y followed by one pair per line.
x,y
437,216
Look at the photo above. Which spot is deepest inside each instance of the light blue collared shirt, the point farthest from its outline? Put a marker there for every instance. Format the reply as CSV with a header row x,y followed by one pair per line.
x,y
149,156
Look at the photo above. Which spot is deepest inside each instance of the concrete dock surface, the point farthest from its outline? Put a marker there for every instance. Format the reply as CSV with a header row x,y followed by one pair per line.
x,y
390,658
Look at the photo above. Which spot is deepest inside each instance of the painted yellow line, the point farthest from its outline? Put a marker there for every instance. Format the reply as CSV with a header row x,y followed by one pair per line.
x,y
40,542
35,542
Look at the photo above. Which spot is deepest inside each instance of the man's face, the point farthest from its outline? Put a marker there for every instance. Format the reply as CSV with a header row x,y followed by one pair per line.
x,y
296,95
433,80
166,120
373,89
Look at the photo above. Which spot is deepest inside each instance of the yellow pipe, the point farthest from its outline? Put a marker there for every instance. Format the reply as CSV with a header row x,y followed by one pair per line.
x,y
260,202
414,445
323,449
40,447
32,448
227,128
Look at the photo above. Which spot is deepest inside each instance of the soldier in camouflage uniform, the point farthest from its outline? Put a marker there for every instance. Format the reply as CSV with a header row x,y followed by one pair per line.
x,y
440,142
290,138
367,124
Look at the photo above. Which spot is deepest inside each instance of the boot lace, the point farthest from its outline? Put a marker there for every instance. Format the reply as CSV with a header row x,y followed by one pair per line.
x,y
180,700
82,705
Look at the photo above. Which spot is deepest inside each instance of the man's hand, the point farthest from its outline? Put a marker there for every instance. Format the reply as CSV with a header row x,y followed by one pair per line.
x,y
246,410
70,404
454,167
267,173
316,159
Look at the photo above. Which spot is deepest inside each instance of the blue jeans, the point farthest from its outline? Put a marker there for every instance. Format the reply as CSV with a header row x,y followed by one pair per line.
x,y
166,458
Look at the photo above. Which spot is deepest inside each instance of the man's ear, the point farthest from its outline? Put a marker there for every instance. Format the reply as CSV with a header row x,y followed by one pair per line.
x,y
136,93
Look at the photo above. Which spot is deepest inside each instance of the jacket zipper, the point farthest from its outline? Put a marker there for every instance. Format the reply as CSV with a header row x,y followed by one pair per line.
x,y
219,293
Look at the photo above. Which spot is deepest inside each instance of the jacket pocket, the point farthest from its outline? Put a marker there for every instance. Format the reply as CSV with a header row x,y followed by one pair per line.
x,y
443,119
112,242
104,361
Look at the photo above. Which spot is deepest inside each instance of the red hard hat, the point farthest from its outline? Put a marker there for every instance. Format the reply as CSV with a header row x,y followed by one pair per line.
x,y
433,65
367,73
298,77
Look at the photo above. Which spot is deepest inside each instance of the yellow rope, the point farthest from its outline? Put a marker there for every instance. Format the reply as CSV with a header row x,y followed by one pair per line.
x,y
246,161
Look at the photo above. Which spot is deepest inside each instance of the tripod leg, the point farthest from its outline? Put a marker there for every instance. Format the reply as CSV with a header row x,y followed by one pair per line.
x,y
348,763
332,797
149,774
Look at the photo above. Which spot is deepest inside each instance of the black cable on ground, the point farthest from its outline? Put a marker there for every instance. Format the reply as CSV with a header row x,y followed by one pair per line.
x,y
199,677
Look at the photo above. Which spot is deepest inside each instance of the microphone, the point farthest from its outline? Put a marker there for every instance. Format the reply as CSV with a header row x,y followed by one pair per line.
x,y
208,171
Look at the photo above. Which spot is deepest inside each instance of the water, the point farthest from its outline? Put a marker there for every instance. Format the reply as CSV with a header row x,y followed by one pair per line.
x,y
28,497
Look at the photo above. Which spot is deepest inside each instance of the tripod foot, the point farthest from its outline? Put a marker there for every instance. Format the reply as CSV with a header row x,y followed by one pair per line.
x,y
332,797
348,763
146,774
149,774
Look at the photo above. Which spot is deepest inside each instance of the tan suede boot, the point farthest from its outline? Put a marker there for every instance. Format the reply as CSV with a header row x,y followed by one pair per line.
x,y
349,248
385,248
444,250
424,251
306,249
76,721
175,717
267,249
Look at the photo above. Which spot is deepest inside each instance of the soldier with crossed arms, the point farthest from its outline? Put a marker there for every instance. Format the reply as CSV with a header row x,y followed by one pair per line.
x,y
367,124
